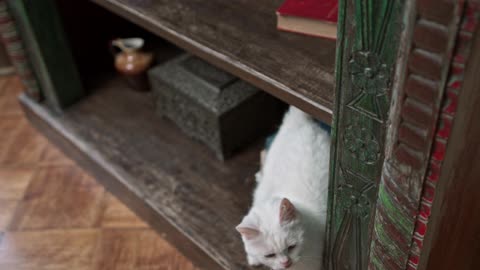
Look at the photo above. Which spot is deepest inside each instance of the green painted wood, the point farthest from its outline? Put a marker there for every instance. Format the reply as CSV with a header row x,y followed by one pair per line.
x,y
368,44
49,51
407,185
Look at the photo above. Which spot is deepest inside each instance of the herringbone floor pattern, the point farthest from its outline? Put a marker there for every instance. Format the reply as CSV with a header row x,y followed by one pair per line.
x,y
54,216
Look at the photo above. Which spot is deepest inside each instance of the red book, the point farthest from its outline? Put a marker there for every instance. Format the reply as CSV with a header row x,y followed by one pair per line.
x,y
311,17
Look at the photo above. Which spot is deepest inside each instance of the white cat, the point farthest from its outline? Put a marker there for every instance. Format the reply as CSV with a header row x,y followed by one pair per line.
x,y
285,228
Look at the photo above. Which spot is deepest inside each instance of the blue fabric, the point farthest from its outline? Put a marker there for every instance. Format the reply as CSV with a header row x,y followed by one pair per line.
x,y
269,140
324,126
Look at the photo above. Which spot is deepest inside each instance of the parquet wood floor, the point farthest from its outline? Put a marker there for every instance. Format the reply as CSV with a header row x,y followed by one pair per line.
x,y
53,216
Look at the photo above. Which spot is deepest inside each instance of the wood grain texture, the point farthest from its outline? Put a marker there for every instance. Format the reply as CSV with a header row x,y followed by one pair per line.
x,y
14,182
25,147
7,209
413,118
132,244
117,215
9,103
17,136
3,89
13,179
369,34
57,249
52,202
137,249
461,56
52,156
452,238
173,183
9,126
297,69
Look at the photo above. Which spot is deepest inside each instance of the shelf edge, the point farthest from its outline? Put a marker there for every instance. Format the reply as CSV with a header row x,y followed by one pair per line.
x,y
237,68
89,160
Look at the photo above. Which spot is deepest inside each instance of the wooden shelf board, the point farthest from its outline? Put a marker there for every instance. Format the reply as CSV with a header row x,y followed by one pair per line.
x,y
240,36
173,183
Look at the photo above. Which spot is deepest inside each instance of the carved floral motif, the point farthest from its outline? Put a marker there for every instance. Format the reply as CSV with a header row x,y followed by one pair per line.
x,y
370,79
361,144
354,200
368,73
369,32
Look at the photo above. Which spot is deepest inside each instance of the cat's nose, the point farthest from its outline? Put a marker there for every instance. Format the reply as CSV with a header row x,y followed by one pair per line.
x,y
287,263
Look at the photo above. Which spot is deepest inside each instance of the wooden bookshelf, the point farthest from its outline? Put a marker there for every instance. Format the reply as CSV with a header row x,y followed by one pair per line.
x,y
240,36
179,188
172,182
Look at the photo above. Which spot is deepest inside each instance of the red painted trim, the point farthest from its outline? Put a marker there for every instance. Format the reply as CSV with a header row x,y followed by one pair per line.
x,y
442,134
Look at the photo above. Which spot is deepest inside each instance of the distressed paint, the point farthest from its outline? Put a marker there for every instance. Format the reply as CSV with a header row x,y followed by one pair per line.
x,y
470,22
368,43
411,136
391,210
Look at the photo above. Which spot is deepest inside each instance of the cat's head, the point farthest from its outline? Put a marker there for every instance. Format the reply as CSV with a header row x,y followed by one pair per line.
x,y
273,234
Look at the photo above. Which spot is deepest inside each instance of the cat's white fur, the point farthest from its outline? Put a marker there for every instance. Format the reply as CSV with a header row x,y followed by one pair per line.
x,y
296,168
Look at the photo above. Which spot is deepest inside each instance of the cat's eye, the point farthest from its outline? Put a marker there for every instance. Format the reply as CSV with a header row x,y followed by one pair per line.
x,y
270,255
292,247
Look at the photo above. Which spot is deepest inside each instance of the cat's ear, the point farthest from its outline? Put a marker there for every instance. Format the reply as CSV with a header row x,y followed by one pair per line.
x,y
248,228
288,212
247,232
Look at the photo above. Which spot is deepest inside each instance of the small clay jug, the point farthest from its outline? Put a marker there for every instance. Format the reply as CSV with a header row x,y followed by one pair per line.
x,y
132,62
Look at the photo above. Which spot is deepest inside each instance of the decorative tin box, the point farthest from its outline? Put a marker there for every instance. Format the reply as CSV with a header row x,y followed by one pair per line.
x,y
211,105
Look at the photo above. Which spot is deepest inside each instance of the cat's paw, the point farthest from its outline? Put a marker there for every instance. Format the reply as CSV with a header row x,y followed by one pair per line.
x,y
252,261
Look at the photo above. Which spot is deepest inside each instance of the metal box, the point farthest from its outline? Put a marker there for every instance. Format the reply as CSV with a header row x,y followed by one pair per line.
x,y
211,105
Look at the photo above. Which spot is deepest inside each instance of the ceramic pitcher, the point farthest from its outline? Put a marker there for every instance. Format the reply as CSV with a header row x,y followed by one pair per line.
x,y
132,62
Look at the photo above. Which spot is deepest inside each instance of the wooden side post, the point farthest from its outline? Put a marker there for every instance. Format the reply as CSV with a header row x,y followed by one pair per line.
x,y
394,65
451,228
369,38
412,138
48,51
452,240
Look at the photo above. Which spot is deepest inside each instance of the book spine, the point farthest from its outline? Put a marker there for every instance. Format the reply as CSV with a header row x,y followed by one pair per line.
x,y
15,48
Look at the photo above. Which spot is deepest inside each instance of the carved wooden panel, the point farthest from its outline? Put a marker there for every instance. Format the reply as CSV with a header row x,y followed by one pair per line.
x,y
369,37
454,85
411,134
